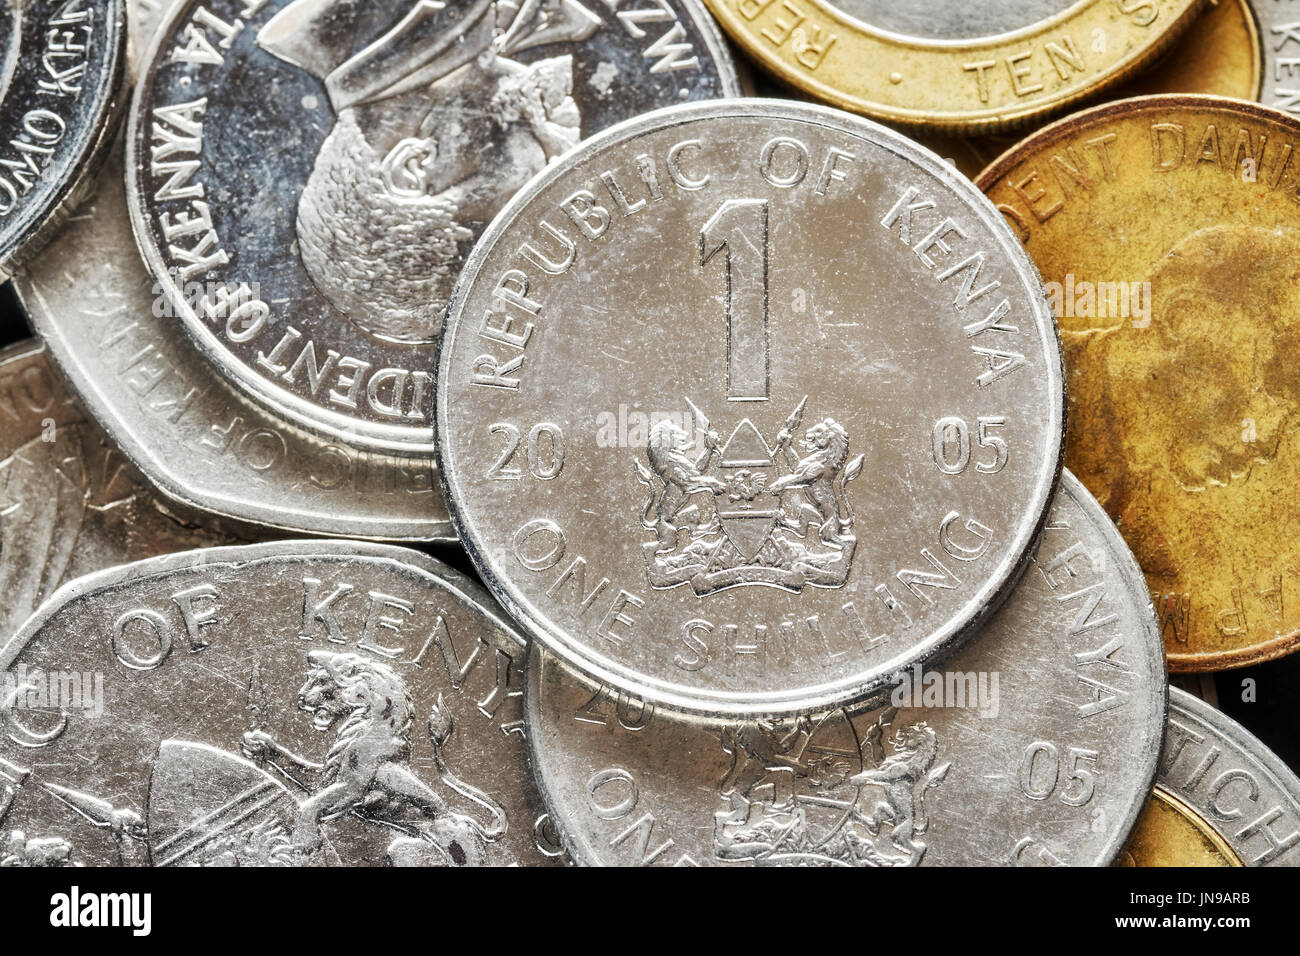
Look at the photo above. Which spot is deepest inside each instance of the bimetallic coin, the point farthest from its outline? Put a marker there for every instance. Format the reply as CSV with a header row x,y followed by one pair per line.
x,y
1034,746
198,440
306,177
746,406
976,66
281,705
62,67
1220,54
1167,229
1221,799
69,502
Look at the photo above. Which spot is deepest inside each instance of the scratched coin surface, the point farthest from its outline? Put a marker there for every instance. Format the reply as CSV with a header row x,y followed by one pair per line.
x,y
62,71
70,503
281,705
1033,746
307,177
975,66
746,406
1221,798
1167,230
197,439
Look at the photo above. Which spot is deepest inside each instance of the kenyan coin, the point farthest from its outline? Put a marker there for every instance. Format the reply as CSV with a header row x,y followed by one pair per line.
x,y
309,236
745,407
1279,26
283,704
1222,54
69,502
1168,229
62,72
197,439
975,66
1221,798
1036,745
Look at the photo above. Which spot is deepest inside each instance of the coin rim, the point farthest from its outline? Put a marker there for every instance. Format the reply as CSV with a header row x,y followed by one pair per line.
x,y
113,417
1181,703
311,416
462,587
826,695
870,44
107,108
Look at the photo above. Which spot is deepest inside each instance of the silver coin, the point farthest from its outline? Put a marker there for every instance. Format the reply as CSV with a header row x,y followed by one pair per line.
x,y
197,439
146,16
62,71
1034,746
747,406
1279,35
1232,782
283,704
952,21
70,503
310,237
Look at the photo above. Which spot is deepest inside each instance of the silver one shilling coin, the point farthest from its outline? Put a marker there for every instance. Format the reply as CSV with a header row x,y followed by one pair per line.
x,y
198,439
746,407
1033,746
1228,784
284,704
70,502
306,177
62,72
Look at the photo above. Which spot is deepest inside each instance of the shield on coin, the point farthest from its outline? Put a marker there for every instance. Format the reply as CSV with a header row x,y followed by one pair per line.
x,y
211,808
747,512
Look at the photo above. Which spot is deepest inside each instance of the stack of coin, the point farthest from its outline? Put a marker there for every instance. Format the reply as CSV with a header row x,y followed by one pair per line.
x,y
556,455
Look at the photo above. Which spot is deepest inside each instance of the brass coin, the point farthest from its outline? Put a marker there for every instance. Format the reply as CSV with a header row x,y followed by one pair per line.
x,y
1167,229
1170,833
1032,66
1221,54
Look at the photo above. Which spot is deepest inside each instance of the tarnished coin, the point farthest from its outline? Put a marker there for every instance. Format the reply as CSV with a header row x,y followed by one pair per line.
x,y
1222,54
1221,798
975,66
1034,746
197,439
69,502
1167,229
283,704
306,177
747,406
62,71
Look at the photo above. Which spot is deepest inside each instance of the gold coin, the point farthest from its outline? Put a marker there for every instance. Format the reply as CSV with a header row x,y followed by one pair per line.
x,y
968,83
1170,833
1220,55
1167,229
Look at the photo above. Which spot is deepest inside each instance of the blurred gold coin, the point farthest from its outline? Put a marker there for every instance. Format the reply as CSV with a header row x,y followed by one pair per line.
x,y
975,66
1167,229
1221,54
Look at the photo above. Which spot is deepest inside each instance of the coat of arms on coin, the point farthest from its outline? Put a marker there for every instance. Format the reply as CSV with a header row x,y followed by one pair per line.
x,y
745,512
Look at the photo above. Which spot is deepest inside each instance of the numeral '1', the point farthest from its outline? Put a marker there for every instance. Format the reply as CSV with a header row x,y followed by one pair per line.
x,y
740,227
